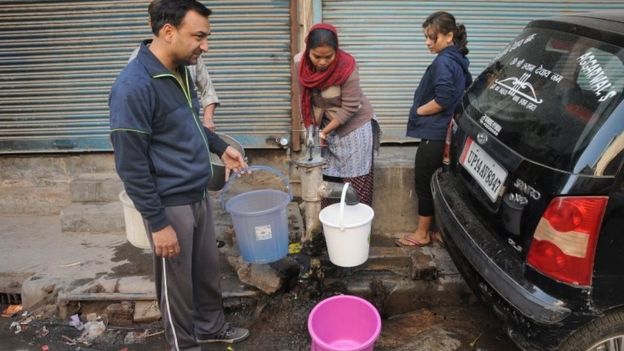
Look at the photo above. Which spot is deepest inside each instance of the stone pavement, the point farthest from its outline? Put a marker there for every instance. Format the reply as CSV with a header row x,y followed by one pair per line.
x,y
43,265
429,307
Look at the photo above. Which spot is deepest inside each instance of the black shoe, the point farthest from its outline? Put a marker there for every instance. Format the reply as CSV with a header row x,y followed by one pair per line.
x,y
229,334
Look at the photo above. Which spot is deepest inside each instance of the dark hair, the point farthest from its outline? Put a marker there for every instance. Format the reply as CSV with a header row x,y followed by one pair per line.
x,y
443,22
162,12
322,37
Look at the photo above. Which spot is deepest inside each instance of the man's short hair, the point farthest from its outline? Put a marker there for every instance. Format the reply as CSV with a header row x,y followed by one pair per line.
x,y
162,12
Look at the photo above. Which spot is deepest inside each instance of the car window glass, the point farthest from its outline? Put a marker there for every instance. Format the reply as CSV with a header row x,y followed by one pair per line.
x,y
548,94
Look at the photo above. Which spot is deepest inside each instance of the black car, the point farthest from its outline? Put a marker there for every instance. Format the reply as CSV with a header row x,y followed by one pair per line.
x,y
531,201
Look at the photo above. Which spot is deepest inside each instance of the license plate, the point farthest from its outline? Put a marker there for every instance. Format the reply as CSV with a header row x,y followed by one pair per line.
x,y
483,168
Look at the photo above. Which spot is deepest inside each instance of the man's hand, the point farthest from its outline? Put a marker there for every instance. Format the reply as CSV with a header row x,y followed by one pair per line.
x,y
209,117
233,160
166,242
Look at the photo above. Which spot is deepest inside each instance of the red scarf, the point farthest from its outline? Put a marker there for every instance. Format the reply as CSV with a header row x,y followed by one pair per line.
x,y
336,74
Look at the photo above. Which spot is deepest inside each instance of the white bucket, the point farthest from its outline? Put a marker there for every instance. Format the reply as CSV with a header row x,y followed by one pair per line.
x,y
347,231
135,228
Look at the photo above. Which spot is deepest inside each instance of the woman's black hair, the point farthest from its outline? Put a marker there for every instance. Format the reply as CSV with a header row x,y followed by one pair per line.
x,y
443,22
322,37
162,12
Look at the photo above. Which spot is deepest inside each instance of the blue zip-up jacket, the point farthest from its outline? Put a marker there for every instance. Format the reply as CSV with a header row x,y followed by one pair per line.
x,y
162,151
445,80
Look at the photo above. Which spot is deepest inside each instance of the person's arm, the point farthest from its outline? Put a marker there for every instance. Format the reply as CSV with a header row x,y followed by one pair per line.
x,y
130,113
131,163
208,120
207,93
443,87
430,108
216,144
331,126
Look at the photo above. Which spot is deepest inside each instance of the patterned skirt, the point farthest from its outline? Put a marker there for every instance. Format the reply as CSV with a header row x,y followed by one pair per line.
x,y
350,158
350,155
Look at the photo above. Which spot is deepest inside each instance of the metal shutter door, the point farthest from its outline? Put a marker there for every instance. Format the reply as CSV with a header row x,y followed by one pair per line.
x,y
249,62
58,60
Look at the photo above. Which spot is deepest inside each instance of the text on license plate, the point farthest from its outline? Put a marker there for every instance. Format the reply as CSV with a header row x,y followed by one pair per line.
x,y
488,173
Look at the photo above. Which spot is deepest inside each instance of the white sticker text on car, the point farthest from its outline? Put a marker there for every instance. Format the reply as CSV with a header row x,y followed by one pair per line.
x,y
598,80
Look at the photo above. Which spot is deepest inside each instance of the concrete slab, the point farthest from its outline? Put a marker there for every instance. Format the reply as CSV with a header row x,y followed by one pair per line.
x,y
104,217
146,311
44,264
394,198
33,198
35,247
39,184
96,187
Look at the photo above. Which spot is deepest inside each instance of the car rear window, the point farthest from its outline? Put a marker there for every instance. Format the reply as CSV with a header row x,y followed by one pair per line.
x,y
548,94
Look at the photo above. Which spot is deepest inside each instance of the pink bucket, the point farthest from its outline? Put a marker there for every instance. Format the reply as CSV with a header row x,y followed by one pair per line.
x,y
344,323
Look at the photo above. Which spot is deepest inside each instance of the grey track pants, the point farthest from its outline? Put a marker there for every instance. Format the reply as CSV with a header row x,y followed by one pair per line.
x,y
188,286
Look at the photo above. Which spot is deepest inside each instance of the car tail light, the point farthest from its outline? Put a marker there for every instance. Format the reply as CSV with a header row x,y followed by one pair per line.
x,y
446,156
564,242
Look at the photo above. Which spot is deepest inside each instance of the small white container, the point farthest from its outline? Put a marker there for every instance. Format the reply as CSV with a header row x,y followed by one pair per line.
x,y
135,227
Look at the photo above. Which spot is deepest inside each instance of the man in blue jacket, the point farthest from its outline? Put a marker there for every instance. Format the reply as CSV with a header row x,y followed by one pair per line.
x,y
162,156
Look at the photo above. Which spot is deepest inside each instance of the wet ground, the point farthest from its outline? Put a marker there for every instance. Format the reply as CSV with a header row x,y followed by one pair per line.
x,y
278,323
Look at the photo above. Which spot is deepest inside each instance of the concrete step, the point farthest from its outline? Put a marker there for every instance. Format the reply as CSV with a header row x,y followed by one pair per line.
x,y
96,187
389,288
97,217
405,263
395,289
395,204
415,263
384,280
394,294
393,259
402,279
28,197
138,285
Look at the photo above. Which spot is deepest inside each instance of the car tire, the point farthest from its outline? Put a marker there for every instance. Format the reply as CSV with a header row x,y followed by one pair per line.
x,y
598,334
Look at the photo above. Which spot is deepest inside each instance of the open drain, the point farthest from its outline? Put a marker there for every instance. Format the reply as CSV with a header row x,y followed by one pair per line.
x,y
10,299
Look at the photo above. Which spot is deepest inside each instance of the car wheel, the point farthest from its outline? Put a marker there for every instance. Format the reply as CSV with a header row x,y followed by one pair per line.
x,y
603,334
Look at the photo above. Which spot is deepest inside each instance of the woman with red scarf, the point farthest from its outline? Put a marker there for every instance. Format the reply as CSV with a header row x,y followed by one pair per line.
x,y
333,103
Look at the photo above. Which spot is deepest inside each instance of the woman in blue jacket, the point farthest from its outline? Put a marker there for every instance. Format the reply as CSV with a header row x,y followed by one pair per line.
x,y
436,99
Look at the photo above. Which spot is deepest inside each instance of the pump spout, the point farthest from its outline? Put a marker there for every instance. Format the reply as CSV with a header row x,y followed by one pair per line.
x,y
333,190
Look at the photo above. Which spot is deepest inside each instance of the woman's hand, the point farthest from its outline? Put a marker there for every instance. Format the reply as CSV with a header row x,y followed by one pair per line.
x,y
322,138
430,108
233,160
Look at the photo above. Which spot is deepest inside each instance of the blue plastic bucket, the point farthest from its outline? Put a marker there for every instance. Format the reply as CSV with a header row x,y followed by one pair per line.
x,y
260,220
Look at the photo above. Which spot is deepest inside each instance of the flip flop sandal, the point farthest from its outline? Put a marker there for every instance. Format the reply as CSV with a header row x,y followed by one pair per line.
x,y
408,242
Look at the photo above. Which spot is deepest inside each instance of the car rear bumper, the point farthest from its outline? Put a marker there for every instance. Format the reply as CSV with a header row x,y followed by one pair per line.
x,y
480,257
